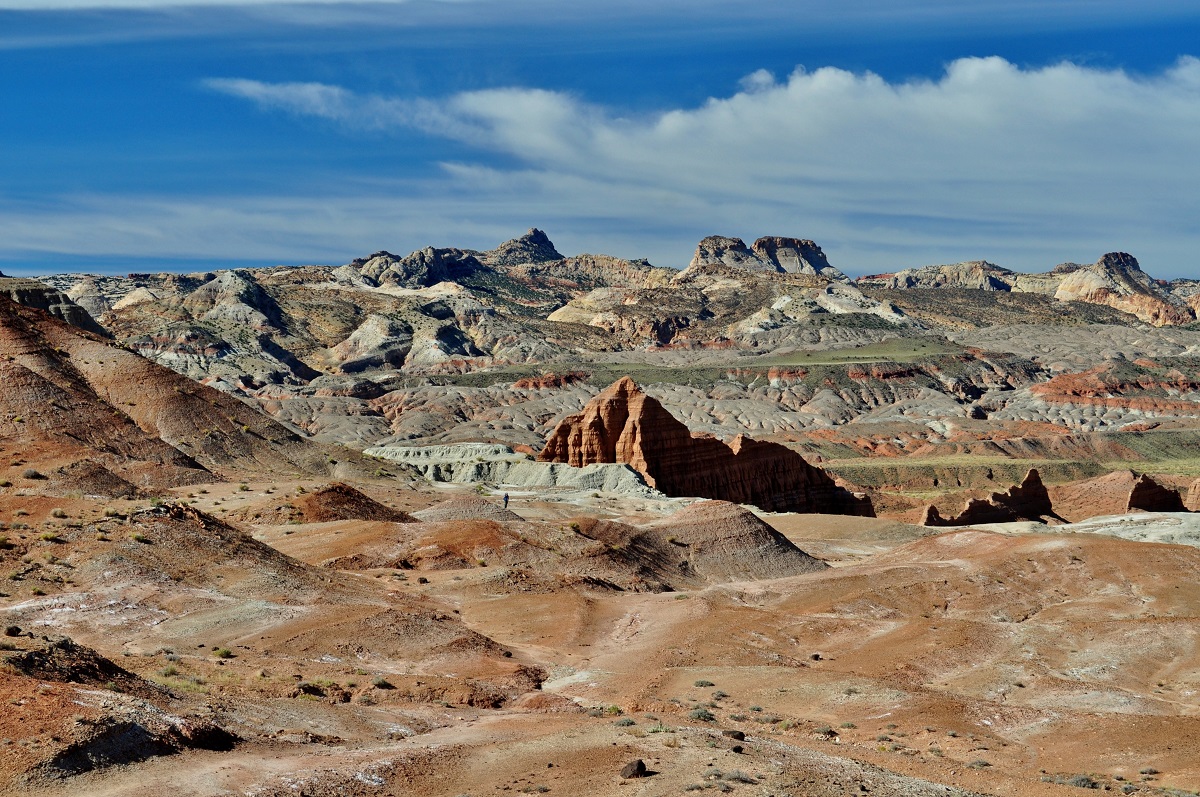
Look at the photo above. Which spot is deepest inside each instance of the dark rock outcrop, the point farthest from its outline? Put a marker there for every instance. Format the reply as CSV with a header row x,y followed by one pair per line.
x,y
1148,495
634,769
1028,500
623,424
532,247
420,269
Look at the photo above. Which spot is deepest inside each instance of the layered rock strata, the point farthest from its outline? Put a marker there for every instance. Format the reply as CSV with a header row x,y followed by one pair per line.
x,y
623,424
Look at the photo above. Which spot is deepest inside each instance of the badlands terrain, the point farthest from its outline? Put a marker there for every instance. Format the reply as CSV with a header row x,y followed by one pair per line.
x,y
481,522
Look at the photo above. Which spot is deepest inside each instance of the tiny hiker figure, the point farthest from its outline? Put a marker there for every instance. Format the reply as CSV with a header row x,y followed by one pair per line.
x,y
506,500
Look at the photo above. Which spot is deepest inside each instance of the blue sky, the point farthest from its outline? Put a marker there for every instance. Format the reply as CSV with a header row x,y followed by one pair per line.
x,y
148,134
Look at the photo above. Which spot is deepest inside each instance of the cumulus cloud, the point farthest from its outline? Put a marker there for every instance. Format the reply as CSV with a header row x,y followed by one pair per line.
x,y
987,160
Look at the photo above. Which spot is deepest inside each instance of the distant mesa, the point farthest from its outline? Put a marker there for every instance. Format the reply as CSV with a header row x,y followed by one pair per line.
x,y
623,424
771,253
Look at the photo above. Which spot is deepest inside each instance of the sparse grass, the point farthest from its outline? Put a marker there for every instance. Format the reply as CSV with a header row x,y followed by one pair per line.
x,y
223,653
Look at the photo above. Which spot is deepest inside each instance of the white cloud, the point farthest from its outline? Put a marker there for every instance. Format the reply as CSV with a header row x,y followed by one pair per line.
x,y
990,160
1023,167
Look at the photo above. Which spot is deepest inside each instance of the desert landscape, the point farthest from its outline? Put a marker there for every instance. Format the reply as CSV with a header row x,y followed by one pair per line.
x,y
467,522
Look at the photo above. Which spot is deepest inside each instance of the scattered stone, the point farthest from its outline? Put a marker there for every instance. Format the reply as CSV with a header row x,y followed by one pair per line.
x,y
634,769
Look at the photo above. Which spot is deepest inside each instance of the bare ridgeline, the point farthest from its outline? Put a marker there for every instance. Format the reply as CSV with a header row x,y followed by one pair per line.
x,y
469,522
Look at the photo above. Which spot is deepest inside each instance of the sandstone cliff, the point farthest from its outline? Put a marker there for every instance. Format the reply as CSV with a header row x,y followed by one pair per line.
x,y
623,424
1118,281
1115,493
1028,500
1193,497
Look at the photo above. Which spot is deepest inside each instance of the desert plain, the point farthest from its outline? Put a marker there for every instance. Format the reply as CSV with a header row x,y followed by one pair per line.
x,y
475,523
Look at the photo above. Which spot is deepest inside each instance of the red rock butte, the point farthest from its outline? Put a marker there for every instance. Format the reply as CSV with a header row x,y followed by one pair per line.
x,y
623,424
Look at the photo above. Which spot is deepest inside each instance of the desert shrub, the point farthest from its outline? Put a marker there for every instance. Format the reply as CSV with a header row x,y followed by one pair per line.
x,y
58,512
624,722
702,714
379,682
1148,771
847,725
1082,782
719,695
737,776
243,487
703,683
32,473
223,653
979,763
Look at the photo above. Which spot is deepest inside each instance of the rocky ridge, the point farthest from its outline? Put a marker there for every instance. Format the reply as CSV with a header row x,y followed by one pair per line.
x,y
1116,280
771,253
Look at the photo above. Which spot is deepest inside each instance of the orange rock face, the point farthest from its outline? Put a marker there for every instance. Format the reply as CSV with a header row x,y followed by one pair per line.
x,y
623,424
1193,497
1114,493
